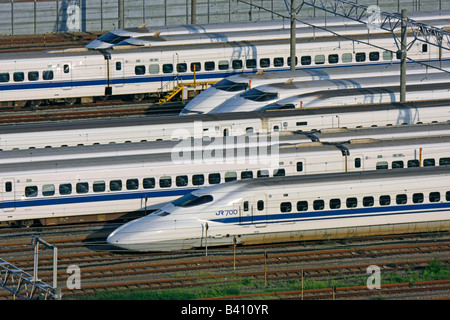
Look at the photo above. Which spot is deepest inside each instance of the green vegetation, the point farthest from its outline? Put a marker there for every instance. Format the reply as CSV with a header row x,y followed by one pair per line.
x,y
434,271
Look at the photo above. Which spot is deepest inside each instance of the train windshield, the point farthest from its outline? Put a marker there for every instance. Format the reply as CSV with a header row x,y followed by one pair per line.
x,y
190,200
112,38
258,95
227,85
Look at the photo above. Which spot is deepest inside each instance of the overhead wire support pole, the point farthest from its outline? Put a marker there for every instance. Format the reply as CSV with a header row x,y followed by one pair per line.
x,y
404,41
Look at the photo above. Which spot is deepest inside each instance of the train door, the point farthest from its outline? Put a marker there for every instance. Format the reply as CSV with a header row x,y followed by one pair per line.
x,y
259,208
117,73
66,75
7,191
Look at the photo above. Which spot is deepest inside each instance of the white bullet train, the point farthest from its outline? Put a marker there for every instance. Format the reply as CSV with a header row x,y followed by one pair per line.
x,y
71,75
237,84
58,134
294,208
59,191
139,34
257,98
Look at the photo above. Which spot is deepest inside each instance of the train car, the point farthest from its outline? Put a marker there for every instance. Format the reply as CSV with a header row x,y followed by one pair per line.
x,y
58,191
69,75
117,37
284,209
437,84
211,144
234,85
44,135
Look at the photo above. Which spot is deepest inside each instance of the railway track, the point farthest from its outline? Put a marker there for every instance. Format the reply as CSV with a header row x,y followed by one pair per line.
x,y
103,269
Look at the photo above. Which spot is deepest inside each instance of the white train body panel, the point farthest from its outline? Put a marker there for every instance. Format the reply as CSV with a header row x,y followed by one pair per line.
x,y
237,84
104,185
292,208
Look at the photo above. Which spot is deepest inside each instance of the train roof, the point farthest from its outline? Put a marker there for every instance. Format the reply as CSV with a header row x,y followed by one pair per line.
x,y
276,184
165,158
217,118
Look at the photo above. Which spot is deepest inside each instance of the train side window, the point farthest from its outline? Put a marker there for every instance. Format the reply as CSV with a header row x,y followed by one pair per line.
x,y
66,68
279,172
398,54
230,176
196,66
181,67
138,70
424,47
18,76
382,165
181,181
278,62
214,178
250,63
115,185
444,161
289,61
224,65
413,163
305,60
434,197
447,196
357,162
47,75
8,186
153,68
260,205
360,57
246,174
209,66
374,56
333,58
33,76
246,207
132,184
264,62
31,191
286,207
236,64
387,55
99,186
319,59
4,77
347,57
401,199
318,204
167,68
429,162
65,188
198,179
82,187
148,183
262,173
165,182
351,202
335,203
118,66
48,190
276,128
368,201
417,198
299,166
397,164
385,200
302,205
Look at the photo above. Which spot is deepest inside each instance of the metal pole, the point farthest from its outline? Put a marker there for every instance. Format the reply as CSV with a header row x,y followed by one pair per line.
x,y
193,11
403,58
206,239
121,15
293,38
